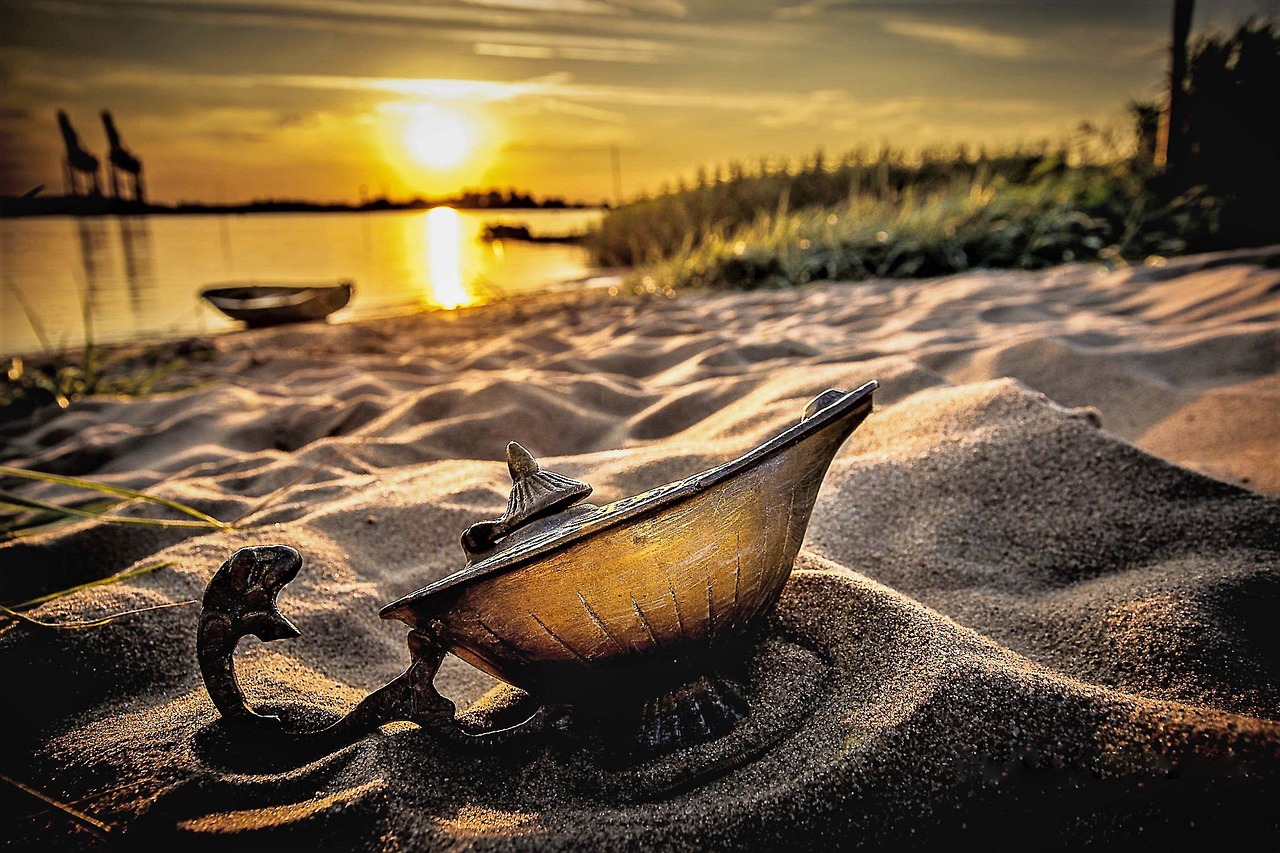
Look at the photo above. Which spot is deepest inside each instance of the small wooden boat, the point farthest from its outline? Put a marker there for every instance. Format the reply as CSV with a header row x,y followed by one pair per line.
x,y
273,305
521,233
584,607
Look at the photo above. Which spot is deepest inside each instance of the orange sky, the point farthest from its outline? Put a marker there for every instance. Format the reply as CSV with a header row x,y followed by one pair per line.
x,y
233,99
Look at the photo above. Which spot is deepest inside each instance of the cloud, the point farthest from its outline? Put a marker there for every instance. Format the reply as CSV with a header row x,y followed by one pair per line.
x,y
378,17
966,39
572,7
569,108
670,8
532,45
800,10
591,54
812,107
660,18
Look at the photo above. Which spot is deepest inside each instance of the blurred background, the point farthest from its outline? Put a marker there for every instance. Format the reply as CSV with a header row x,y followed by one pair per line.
x,y
441,154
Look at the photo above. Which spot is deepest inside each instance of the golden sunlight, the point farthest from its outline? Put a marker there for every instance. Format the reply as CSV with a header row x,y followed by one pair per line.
x,y
445,248
438,137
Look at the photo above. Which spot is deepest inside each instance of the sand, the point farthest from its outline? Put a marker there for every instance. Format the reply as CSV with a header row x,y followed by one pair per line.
x,y
1033,607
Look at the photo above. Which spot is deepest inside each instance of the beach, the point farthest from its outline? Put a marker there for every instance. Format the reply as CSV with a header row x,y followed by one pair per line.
x,y
1032,607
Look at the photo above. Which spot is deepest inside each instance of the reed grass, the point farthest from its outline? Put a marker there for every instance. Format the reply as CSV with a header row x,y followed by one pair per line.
x,y
34,516
78,624
107,581
14,611
98,829
58,379
950,229
198,519
926,220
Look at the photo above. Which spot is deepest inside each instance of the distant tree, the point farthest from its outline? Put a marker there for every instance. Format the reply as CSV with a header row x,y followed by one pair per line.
x,y
1232,129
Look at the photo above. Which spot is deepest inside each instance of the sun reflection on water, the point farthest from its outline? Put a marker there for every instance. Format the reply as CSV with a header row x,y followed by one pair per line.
x,y
446,251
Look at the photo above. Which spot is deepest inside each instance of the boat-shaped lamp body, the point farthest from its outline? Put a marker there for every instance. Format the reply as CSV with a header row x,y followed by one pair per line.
x,y
642,594
599,609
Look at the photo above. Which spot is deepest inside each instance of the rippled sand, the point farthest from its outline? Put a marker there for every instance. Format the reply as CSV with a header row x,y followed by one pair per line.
x,y
1034,604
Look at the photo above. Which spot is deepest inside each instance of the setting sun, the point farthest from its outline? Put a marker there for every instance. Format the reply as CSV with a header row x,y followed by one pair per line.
x,y
437,137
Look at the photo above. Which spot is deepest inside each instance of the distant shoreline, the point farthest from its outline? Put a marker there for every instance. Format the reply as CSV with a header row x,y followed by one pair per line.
x,y
16,207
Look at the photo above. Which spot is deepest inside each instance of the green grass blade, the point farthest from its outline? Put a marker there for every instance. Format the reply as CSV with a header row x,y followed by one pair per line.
x,y
104,488
110,579
91,623
11,500
14,611
32,521
92,825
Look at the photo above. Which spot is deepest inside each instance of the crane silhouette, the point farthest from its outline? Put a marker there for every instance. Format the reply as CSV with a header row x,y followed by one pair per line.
x,y
121,160
78,161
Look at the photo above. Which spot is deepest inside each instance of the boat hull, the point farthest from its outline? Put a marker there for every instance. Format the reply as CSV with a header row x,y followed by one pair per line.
x,y
269,305
646,604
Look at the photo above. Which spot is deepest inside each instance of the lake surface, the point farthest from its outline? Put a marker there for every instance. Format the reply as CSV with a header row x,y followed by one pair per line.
x,y
139,277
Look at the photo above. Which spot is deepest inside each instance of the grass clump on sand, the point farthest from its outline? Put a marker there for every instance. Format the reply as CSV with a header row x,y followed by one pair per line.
x,y
58,378
16,612
21,517
32,514
893,219
965,225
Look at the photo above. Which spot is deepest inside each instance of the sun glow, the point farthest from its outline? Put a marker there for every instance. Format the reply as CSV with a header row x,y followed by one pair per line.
x,y
437,137
445,258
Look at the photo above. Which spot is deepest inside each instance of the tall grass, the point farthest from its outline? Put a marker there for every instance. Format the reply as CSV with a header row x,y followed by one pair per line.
x,y
963,225
676,220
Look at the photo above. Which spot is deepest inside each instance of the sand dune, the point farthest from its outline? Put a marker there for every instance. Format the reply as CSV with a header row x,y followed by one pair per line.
x,y
1033,606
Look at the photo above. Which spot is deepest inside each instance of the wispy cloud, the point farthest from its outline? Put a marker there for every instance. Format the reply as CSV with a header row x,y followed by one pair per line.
x,y
538,45
658,18
670,8
569,108
312,14
560,92
572,7
589,54
966,39
801,10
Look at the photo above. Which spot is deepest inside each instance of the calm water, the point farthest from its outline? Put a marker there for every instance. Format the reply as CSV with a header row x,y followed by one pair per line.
x,y
141,276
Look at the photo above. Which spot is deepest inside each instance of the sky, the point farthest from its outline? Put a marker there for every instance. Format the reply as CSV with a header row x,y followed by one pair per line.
x,y
229,100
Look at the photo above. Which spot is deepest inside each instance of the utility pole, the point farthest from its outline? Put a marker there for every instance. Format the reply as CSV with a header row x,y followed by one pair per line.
x,y
1171,150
